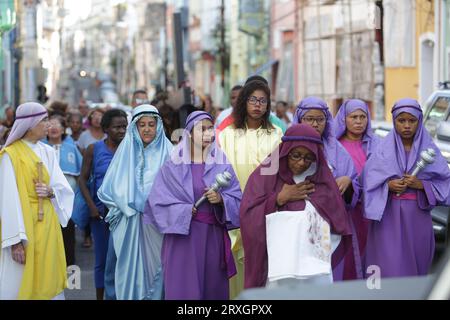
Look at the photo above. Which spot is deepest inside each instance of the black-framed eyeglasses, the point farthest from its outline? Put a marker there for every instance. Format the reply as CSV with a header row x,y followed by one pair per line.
x,y
254,100
311,120
308,159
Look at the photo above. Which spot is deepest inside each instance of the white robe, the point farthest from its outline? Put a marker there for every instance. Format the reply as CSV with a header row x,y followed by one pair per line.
x,y
295,254
12,224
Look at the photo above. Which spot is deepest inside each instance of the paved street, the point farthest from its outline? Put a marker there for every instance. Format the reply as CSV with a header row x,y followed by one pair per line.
x,y
85,259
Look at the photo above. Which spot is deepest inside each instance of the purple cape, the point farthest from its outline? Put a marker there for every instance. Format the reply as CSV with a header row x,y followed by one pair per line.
x,y
353,263
260,199
337,156
169,204
389,162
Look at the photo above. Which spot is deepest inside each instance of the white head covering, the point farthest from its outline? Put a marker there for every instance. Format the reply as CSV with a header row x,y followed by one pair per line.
x,y
28,115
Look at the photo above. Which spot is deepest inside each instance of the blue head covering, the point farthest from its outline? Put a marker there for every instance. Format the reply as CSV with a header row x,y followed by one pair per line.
x,y
349,106
133,168
340,161
389,161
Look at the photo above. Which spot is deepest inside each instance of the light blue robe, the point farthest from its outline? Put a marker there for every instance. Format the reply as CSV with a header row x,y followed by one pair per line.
x,y
127,183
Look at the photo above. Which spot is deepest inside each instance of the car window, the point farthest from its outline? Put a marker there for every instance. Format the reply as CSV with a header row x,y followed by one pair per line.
x,y
438,111
381,132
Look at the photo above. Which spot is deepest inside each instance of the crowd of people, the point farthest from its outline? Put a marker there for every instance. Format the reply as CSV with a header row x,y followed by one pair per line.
x,y
309,198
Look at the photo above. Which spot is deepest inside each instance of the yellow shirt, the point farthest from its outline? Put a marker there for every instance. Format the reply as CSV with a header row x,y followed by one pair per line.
x,y
246,149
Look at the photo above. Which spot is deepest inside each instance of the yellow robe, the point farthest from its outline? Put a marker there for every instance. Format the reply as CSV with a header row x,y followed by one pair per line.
x,y
44,275
245,149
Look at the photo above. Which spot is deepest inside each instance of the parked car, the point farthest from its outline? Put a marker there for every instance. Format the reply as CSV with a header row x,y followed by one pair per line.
x,y
381,128
437,122
437,118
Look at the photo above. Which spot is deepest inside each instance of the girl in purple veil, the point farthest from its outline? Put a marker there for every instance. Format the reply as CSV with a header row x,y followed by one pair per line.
x,y
196,255
400,240
315,112
352,127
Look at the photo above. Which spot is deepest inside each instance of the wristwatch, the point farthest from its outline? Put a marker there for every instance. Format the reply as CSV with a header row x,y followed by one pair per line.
x,y
51,193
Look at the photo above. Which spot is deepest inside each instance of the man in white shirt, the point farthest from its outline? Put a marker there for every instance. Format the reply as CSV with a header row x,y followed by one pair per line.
x,y
234,94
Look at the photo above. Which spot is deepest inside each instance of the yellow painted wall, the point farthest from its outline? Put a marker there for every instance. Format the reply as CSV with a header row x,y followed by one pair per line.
x,y
400,83
404,82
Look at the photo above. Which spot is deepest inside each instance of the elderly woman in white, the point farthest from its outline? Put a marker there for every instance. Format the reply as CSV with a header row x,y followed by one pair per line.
x,y
35,199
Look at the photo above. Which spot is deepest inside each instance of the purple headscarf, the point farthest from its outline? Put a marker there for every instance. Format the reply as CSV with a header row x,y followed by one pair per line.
x,y
349,106
182,152
169,204
338,158
28,115
390,162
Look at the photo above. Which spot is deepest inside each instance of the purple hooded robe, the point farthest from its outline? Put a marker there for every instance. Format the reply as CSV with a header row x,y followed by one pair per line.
x,y
359,151
196,254
401,240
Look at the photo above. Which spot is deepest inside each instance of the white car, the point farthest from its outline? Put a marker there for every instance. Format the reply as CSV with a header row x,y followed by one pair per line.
x,y
381,128
437,118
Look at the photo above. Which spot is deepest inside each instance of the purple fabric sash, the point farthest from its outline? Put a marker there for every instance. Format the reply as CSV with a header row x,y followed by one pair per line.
x,y
209,218
31,115
405,196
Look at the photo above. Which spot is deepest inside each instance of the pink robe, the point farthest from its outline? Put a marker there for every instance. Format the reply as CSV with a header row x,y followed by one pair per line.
x,y
354,261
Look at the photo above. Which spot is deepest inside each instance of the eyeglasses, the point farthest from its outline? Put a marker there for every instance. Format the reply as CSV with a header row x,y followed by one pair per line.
x,y
297,157
311,120
254,100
